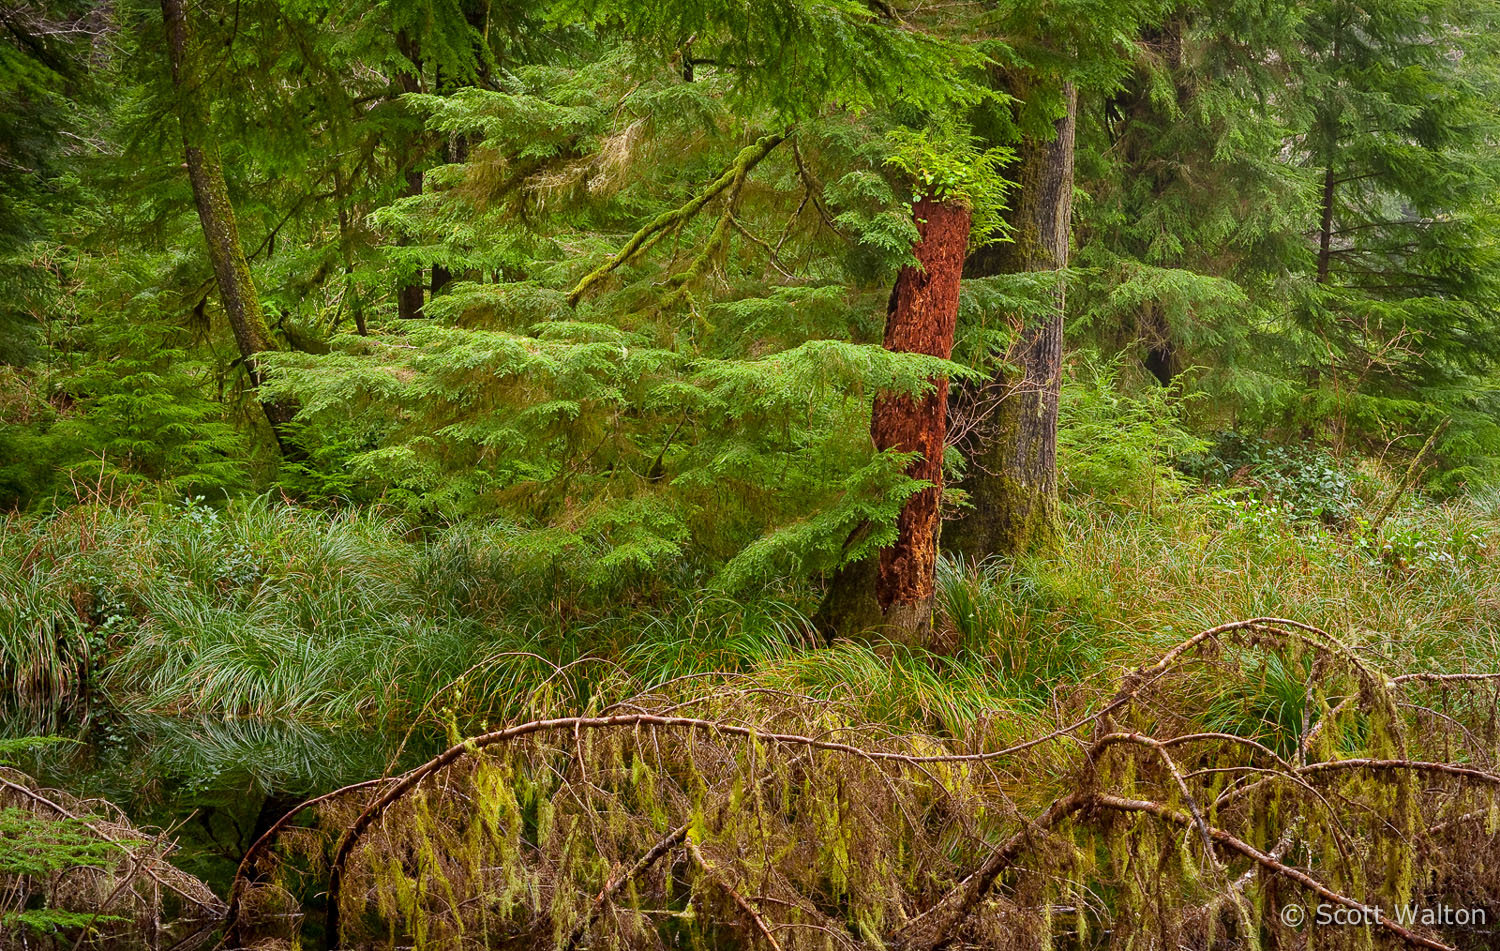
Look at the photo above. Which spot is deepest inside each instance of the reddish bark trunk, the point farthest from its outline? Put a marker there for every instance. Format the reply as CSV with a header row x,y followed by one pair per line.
x,y
920,318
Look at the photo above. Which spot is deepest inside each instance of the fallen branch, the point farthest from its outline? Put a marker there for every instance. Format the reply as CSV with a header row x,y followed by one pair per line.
x,y
252,855
214,907
1409,477
1266,861
735,896
1135,683
663,845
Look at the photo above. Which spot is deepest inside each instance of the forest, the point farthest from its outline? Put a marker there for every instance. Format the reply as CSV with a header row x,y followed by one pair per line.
x,y
749,475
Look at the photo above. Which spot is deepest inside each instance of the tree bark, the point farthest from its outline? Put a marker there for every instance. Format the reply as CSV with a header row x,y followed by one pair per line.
x,y
894,593
216,215
454,150
1012,480
351,291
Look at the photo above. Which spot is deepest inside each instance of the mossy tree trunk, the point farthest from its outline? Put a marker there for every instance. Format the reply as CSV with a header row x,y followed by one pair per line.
x,y
1012,476
895,593
216,215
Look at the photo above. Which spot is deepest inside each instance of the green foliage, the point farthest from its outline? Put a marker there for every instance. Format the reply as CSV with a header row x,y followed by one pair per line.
x,y
948,167
1309,483
628,441
39,847
1116,447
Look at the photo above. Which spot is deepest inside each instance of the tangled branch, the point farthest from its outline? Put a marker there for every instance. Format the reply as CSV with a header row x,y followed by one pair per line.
x,y
915,843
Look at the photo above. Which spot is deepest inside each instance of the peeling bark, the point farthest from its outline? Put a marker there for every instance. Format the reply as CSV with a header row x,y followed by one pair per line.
x,y
920,318
1012,482
216,215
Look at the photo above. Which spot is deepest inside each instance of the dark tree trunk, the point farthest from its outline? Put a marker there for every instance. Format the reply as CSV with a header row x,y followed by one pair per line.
x,y
1139,112
1325,227
409,294
351,291
221,232
1012,478
411,287
1161,359
454,150
920,318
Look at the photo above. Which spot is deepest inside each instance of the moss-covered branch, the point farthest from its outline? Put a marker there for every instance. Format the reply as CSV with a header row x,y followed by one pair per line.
x,y
668,221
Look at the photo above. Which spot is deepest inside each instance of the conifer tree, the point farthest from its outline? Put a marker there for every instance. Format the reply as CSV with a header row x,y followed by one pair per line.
x,y
1400,131
1011,419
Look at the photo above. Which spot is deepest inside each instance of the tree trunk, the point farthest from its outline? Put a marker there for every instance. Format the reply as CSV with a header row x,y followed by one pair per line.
x,y
1161,359
920,318
409,291
216,215
454,150
409,294
1325,227
1012,479
351,291
1141,106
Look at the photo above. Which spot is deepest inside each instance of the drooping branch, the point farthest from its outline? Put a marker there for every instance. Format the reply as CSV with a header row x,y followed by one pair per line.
x,y
934,927
1264,860
662,846
1134,684
744,906
945,919
246,870
208,902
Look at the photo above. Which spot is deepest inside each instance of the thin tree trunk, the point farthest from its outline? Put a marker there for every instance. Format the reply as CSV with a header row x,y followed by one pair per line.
x,y
409,291
1325,227
1012,479
350,290
216,214
895,593
1138,102
409,294
455,149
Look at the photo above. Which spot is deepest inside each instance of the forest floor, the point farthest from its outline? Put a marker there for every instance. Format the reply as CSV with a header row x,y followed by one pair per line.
x,y
220,664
